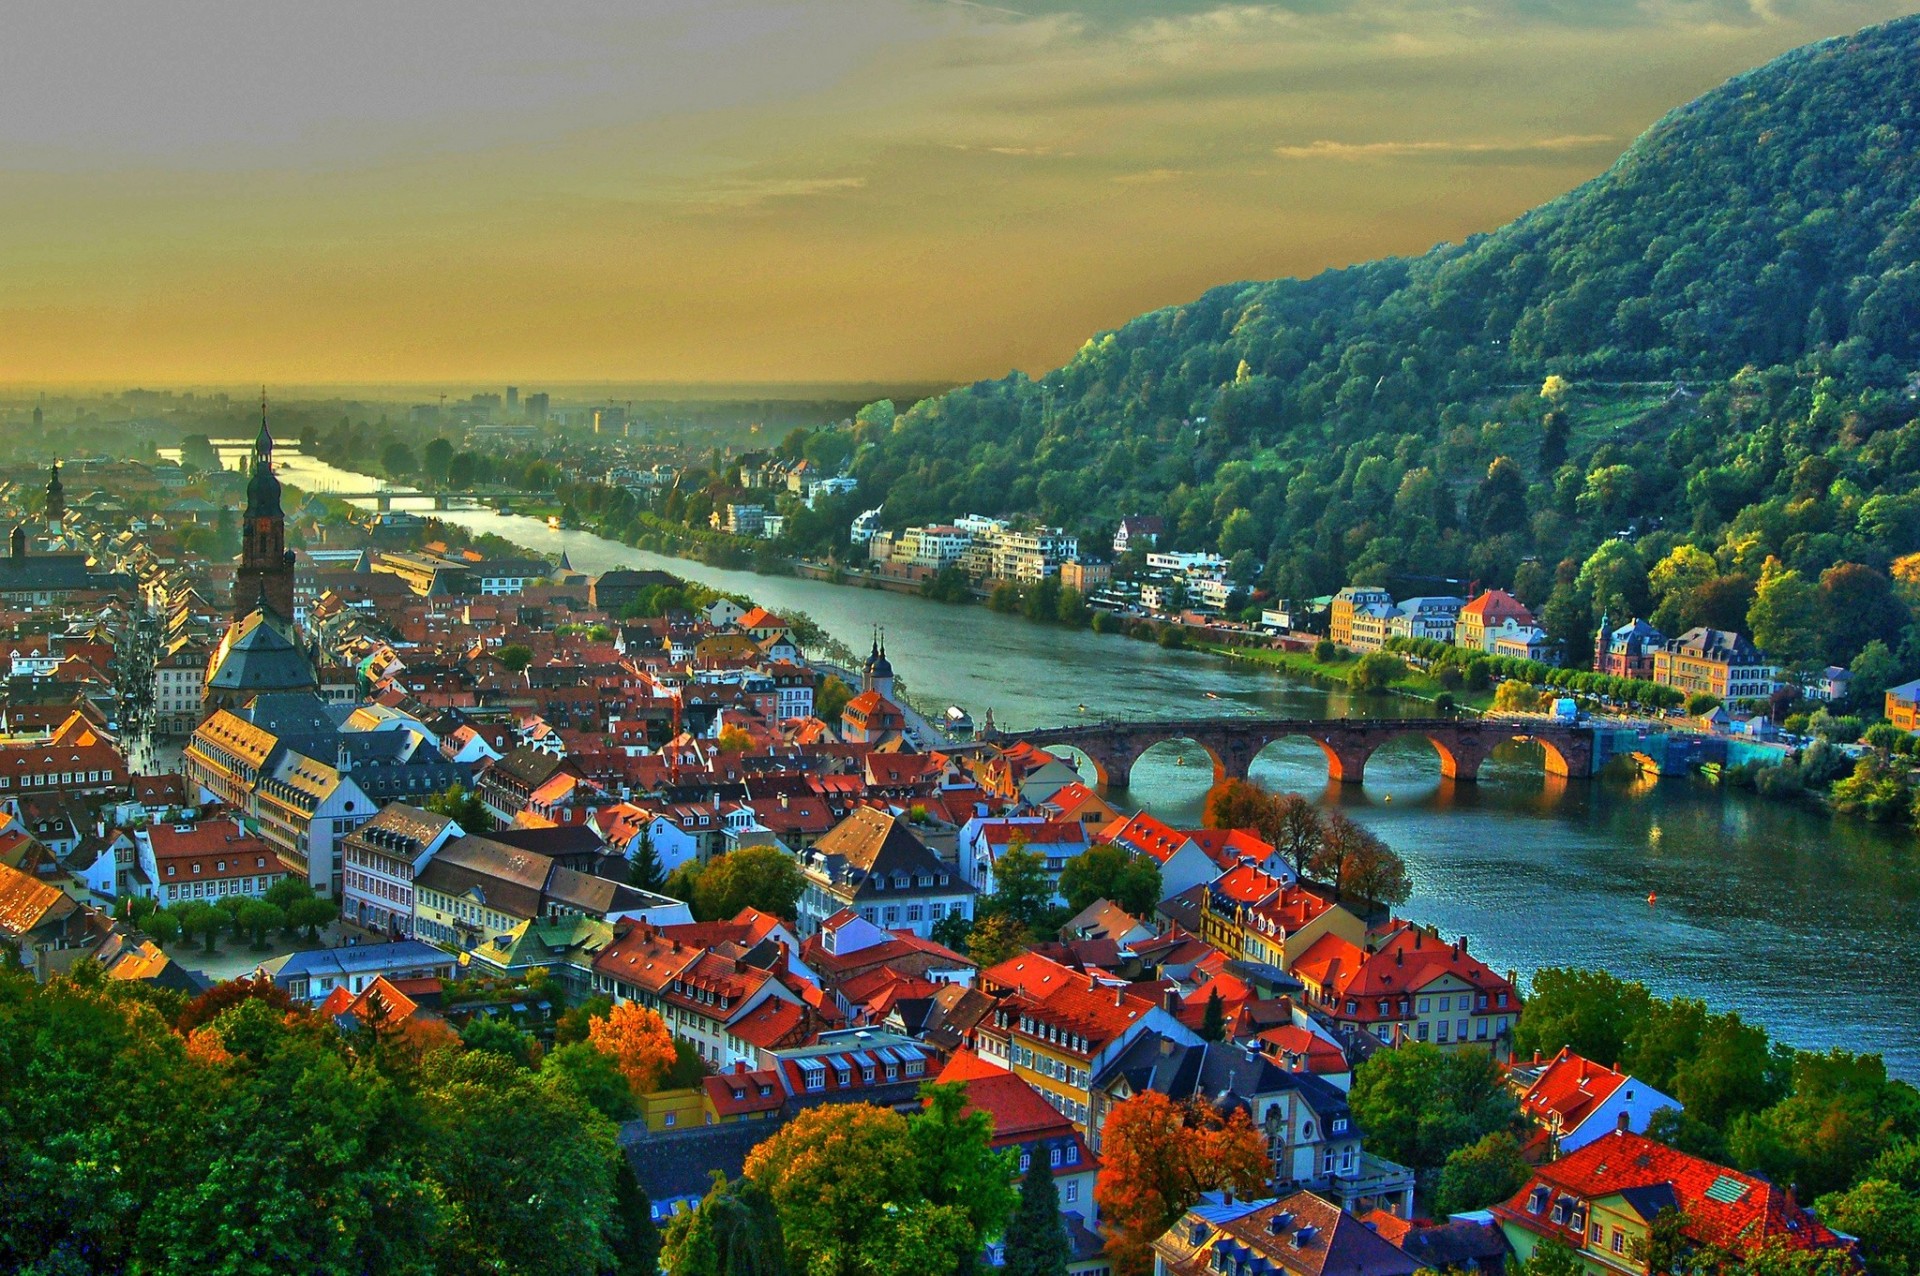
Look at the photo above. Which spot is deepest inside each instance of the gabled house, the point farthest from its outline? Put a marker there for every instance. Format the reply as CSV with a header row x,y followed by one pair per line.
x,y
1601,1201
1574,1101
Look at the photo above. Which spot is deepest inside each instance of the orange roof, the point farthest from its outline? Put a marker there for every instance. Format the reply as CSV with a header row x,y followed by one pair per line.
x,y
1570,1087
1723,1207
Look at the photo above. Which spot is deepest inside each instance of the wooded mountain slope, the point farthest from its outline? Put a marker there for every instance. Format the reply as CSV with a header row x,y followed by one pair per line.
x,y
1386,422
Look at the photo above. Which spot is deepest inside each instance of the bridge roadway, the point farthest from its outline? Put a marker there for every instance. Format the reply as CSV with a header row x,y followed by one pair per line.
x,y
1464,744
441,500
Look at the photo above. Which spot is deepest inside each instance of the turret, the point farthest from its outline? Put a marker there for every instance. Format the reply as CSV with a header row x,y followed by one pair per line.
x,y
17,545
56,502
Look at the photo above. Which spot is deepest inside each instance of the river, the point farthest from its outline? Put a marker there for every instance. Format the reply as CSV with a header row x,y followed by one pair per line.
x,y
1801,923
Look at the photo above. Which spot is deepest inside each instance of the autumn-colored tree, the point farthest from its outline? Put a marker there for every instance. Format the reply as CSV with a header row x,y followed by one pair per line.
x,y
1238,804
638,1042
220,998
734,740
994,939
1158,1156
833,1173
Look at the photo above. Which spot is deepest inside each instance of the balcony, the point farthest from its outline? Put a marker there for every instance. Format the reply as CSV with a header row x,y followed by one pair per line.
x,y
1376,1183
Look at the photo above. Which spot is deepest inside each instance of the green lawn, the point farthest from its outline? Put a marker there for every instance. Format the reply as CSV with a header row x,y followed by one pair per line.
x,y
1302,664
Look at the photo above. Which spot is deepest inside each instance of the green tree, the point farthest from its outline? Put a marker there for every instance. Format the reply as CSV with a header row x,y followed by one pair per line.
x,y
1112,873
842,1178
1589,1012
436,459
958,1169
1885,1216
501,1037
1419,1104
516,656
1213,1022
1036,1238
995,938
735,1231
1376,671
312,913
631,1232
260,919
1842,1112
644,871
1022,890
1785,619
592,1075
203,920
762,877
1482,1174
831,699
398,460
524,1172
463,807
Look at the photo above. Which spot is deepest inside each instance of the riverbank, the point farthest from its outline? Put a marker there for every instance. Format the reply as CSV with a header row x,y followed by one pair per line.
x,y
1415,685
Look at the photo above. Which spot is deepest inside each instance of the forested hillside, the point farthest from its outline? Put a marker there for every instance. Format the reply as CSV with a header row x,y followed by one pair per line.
x,y
1730,318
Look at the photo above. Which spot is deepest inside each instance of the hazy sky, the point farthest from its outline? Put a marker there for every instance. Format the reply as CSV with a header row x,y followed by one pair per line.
x,y
788,190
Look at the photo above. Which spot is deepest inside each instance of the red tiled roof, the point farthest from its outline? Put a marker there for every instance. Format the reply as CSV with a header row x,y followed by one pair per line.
x,y
1571,1087
1723,1207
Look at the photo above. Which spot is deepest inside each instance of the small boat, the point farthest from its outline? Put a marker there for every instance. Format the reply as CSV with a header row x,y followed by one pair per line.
x,y
1083,708
1652,898
1212,696
553,522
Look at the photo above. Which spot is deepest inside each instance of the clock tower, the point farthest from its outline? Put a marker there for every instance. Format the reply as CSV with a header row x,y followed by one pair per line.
x,y
265,577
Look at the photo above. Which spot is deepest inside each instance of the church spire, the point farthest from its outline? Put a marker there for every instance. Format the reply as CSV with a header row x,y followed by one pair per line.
x,y
263,441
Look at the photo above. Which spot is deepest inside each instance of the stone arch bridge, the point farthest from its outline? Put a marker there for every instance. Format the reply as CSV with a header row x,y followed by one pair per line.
x,y
1464,744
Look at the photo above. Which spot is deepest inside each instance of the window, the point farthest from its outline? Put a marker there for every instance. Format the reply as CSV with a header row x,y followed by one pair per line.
x,y
1619,1240
1426,1004
1070,1193
1054,1158
1339,1125
1073,1153
1443,1031
1420,1031
672,1118
1446,1003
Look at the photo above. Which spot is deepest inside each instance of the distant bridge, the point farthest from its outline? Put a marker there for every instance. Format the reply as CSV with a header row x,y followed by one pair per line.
x,y
441,500
1464,744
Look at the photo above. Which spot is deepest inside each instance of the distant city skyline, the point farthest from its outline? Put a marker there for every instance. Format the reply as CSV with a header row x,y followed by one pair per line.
x,y
771,191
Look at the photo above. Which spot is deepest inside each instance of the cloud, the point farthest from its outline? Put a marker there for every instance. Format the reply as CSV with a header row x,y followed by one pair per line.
x,y
1446,149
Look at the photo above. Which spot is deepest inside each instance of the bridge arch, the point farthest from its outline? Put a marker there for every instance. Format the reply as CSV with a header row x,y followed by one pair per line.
x,y
1149,743
1304,743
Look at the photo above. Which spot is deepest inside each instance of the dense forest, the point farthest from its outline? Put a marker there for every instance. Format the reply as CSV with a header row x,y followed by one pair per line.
x,y
1686,390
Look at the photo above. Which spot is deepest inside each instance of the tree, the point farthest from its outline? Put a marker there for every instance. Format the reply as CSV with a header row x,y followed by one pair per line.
x,y
1785,620
516,656
1213,1023
436,459
841,1177
524,1170
163,924
500,1036
734,740
1701,703
631,1232
958,1169
1857,606
1590,1012
1883,1210
398,460
831,698
762,877
1298,830
259,919
735,1231
1419,1104
1553,1258
995,938
638,1042
1842,1113
312,913
204,920
1022,890
1239,804
1375,872
644,871
1345,847
1036,1238
1112,873
1158,1156
1514,696
463,807
593,1076
1376,671
1482,1174
222,997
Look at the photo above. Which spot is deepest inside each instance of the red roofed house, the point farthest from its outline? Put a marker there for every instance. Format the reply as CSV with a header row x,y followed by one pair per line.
x,y
1415,987
871,718
1024,1120
1482,621
215,858
1057,1028
1184,863
982,842
861,964
1601,1201
76,759
1575,1101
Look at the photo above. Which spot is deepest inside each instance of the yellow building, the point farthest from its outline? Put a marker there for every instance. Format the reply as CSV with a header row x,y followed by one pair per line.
x,y
1715,661
1346,603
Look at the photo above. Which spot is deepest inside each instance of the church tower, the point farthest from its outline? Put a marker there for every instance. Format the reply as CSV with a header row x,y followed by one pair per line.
x,y
56,503
266,565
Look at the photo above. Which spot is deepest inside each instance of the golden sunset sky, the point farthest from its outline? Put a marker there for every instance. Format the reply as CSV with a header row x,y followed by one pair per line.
x,y
769,190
